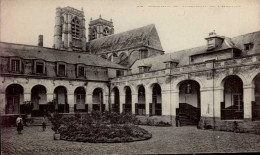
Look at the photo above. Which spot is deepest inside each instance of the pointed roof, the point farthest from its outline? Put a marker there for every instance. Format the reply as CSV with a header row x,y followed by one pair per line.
x,y
143,36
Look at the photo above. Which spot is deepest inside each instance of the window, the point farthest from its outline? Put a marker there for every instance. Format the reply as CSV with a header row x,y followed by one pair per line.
x,y
81,71
61,70
143,54
248,46
39,67
94,33
144,69
75,27
15,65
106,31
119,73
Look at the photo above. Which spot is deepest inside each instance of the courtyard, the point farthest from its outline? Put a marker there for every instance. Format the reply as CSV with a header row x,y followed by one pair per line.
x,y
164,140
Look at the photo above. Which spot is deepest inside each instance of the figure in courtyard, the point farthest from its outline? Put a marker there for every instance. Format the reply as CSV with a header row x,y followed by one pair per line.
x,y
19,124
177,120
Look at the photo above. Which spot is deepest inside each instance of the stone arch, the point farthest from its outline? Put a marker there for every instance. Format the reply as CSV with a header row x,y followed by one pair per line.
x,y
256,98
156,105
127,107
38,96
98,99
115,94
232,107
80,99
61,98
177,82
14,94
220,81
253,76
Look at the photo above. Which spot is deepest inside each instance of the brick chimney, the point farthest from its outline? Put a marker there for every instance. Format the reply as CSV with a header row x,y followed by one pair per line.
x,y
40,41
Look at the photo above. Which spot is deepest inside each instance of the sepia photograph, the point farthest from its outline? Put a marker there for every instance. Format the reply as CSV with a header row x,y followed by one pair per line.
x,y
129,77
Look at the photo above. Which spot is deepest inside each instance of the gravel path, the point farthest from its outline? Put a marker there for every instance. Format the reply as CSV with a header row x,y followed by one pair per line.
x,y
165,140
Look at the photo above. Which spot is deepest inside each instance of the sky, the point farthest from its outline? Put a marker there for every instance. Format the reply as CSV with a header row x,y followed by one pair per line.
x,y
181,24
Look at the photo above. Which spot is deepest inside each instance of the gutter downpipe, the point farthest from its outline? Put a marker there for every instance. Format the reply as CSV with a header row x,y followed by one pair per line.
x,y
213,77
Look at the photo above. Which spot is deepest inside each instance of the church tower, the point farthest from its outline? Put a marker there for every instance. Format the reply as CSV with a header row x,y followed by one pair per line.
x,y
99,28
69,31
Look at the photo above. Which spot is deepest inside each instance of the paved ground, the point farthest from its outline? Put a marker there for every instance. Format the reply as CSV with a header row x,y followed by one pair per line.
x,y
165,140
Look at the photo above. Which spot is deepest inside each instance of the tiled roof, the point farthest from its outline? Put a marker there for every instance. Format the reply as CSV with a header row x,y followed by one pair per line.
x,y
143,36
53,55
183,56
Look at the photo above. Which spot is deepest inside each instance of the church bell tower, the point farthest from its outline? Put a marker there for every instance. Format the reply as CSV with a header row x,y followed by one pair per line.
x,y
69,31
100,28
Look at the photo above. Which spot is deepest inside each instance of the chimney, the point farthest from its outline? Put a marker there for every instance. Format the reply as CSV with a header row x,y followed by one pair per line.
x,y
40,42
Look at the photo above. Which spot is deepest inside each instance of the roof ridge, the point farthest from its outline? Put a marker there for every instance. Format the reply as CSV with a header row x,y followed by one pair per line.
x,y
245,34
150,25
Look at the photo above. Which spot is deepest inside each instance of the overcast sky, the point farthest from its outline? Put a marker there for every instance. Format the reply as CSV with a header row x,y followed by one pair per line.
x,y
181,24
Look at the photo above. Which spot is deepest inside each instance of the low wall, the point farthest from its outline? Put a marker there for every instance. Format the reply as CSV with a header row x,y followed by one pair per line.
x,y
241,126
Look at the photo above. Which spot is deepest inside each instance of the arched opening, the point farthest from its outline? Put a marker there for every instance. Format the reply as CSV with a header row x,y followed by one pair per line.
x,y
156,105
256,103
123,59
14,98
127,107
39,100
140,106
189,103
98,100
232,107
75,27
80,100
60,97
94,33
106,31
115,105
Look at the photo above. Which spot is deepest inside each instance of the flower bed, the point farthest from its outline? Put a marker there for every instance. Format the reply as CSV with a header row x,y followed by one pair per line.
x,y
97,128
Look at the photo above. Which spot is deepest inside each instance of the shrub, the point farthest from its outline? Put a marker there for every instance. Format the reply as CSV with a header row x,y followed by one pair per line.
x,y
97,127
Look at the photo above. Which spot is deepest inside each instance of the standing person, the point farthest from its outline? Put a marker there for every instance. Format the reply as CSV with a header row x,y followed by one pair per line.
x,y
19,124
177,120
44,123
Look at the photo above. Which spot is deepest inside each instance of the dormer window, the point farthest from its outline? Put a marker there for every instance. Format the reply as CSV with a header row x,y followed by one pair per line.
x,y
15,64
39,67
81,71
170,64
143,54
61,69
248,46
144,69
119,73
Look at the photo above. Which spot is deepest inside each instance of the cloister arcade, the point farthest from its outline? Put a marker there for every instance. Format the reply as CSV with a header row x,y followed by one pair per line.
x,y
234,97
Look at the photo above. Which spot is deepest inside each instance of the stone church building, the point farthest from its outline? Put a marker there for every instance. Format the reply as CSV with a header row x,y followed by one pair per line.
x,y
130,72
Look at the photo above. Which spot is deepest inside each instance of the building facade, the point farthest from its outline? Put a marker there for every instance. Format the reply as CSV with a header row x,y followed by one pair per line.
x,y
129,72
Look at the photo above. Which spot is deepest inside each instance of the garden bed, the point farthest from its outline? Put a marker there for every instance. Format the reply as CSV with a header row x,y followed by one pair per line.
x,y
99,128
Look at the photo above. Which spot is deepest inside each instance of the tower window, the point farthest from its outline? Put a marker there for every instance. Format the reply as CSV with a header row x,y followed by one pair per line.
x,y
94,33
106,32
15,65
75,27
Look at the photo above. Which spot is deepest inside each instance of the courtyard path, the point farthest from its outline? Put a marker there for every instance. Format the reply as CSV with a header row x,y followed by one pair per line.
x,y
165,140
